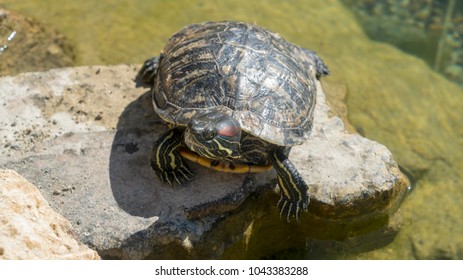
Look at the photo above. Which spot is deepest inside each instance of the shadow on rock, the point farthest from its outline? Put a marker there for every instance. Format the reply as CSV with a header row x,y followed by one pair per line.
x,y
132,180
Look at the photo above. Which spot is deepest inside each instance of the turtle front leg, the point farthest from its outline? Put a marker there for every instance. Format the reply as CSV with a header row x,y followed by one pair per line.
x,y
293,196
166,161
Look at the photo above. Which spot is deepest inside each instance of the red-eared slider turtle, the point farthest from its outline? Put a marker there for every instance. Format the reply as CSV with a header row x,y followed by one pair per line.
x,y
236,93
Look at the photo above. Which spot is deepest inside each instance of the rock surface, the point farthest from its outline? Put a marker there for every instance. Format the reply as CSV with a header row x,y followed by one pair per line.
x,y
82,135
30,229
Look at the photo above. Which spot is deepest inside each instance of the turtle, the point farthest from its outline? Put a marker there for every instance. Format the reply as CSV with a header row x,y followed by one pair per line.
x,y
236,98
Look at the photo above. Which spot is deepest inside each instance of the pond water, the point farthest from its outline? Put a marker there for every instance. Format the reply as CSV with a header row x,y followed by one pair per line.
x,y
392,97
430,29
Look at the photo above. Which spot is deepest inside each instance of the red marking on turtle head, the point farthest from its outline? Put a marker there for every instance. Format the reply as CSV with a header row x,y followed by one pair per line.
x,y
229,130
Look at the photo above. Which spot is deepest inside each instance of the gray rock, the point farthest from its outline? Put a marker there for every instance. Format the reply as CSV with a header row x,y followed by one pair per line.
x,y
83,135
30,229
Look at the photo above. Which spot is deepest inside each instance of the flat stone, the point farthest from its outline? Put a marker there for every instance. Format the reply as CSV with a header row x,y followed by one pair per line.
x,y
30,229
83,136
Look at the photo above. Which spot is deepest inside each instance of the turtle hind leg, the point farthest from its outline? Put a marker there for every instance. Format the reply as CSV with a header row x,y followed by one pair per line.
x,y
320,67
166,161
148,71
293,196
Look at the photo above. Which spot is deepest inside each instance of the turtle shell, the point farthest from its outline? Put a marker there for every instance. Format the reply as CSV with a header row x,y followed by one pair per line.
x,y
266,83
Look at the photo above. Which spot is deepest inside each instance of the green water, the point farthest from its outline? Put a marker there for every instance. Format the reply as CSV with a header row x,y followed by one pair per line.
x,y
112,32
392,97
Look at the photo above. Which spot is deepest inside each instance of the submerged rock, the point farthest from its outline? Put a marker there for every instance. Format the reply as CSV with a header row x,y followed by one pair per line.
x,y
83,136
30,229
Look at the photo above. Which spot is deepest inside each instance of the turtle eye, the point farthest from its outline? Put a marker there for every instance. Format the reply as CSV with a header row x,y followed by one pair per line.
x,y
209,134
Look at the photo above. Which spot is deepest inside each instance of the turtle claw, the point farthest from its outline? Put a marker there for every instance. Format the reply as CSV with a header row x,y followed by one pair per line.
x,y
290,209
186,173
293,189
182,174
166,161
179,175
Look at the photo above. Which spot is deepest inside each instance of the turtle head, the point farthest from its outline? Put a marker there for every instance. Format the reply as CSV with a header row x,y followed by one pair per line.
x,y
214,135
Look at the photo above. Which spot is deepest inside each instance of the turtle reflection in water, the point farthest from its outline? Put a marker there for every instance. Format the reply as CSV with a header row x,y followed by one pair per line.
x,y
236,93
